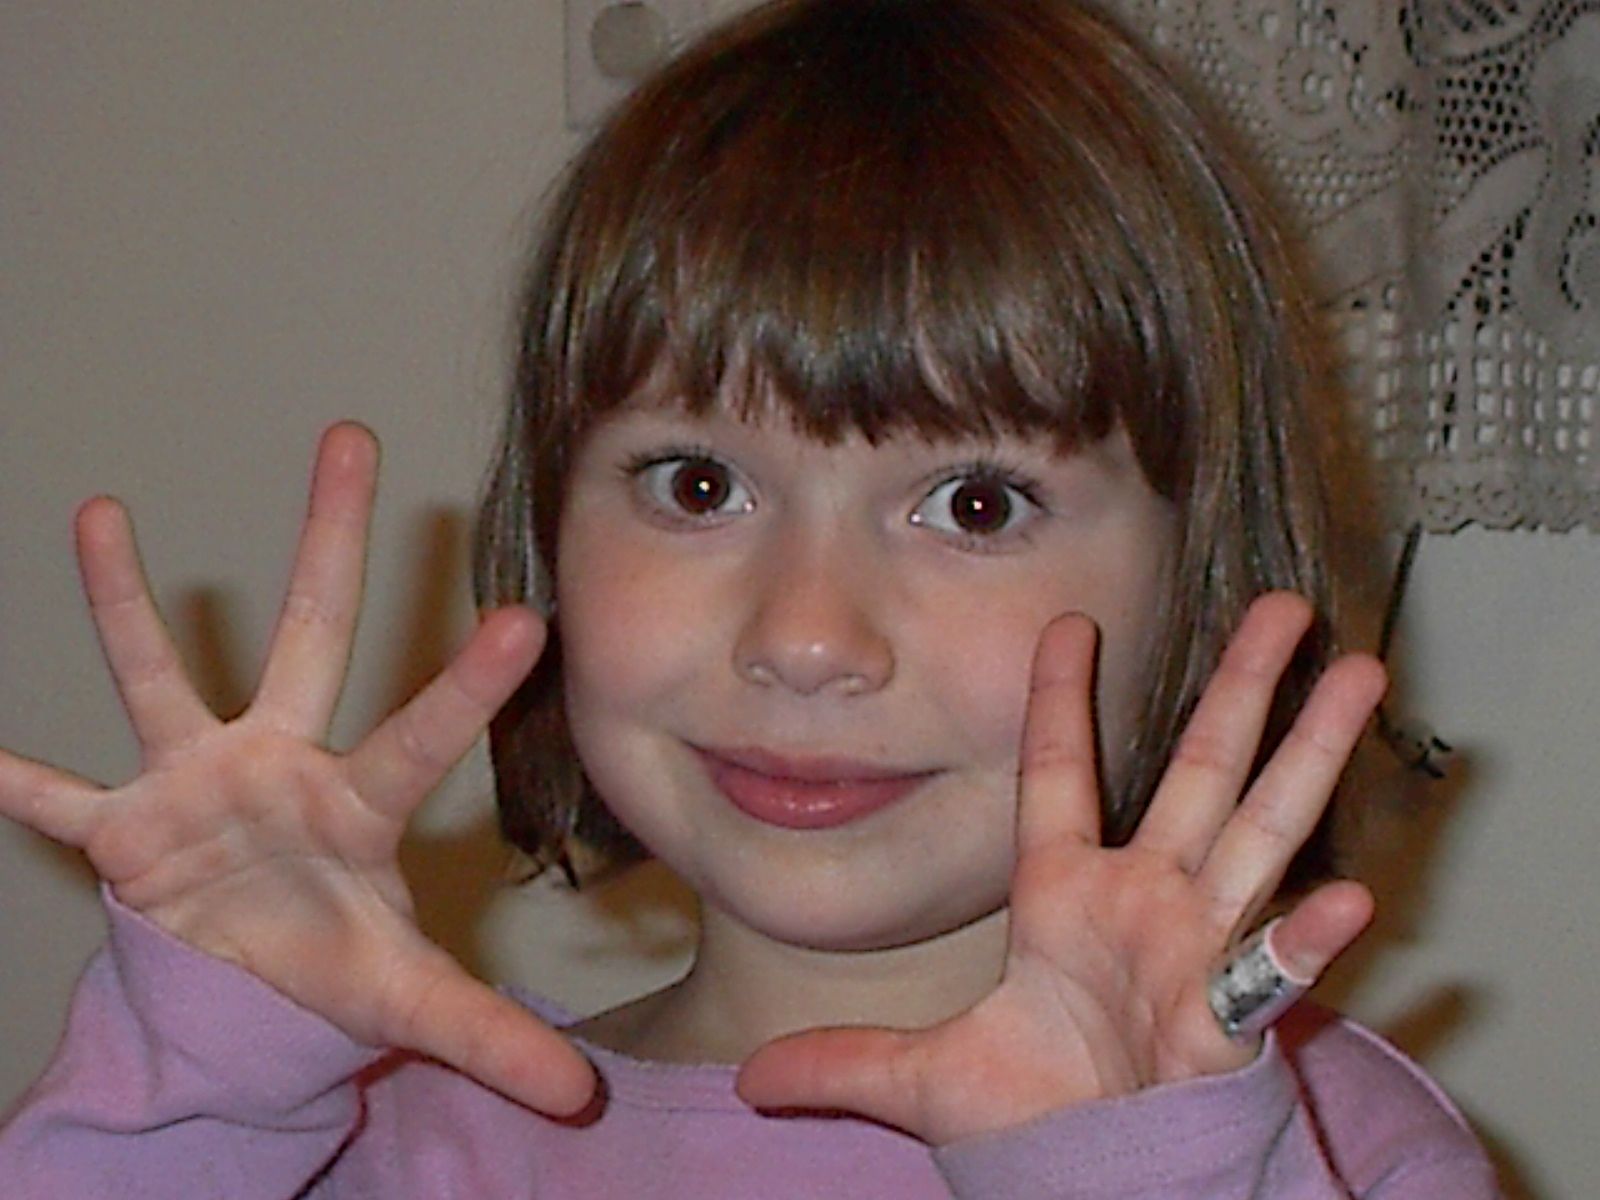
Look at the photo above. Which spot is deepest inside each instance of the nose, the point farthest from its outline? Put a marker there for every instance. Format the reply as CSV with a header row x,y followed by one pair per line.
x,y
812,628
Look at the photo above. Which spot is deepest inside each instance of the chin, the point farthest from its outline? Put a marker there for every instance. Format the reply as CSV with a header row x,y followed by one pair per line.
x,y
834,916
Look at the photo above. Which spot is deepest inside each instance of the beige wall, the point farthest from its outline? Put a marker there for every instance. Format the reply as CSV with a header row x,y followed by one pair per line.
x,y
225,225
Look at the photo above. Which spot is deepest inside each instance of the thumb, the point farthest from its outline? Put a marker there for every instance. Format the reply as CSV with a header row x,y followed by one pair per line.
x,y
490,1038
873,1073
49,801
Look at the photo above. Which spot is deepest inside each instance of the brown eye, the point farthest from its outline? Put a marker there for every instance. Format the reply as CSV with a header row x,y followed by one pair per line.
x,y
691,487
979,505
700,486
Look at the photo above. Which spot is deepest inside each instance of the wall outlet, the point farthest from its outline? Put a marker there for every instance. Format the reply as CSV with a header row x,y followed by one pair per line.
x,y
612,44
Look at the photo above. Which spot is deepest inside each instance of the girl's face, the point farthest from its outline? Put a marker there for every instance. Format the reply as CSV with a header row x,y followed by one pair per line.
x,y
798,672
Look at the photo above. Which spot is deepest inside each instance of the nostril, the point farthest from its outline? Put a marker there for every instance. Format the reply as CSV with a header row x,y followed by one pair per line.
x,y
853,685
758,673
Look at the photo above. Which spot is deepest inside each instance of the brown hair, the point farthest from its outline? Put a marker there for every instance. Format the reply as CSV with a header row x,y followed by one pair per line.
x,y
938,216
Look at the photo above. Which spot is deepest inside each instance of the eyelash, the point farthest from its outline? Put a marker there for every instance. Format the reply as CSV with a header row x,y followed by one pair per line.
x,y
989,470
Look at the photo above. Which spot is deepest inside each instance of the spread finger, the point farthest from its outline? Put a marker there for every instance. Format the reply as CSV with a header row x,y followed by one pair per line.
x,y
161,703
401,760
310,650
1287,800
1059,786
1212,762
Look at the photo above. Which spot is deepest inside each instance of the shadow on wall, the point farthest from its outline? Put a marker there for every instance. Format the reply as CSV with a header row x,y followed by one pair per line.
x,y
1396,842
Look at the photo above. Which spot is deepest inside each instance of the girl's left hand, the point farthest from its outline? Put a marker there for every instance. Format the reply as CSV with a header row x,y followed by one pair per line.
x,y
1104,986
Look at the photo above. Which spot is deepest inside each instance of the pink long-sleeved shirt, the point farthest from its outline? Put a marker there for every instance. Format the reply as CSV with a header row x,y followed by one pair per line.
x,y
182,1076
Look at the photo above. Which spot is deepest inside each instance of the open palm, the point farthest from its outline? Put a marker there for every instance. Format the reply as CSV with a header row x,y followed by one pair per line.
x,y
252,842
1104,986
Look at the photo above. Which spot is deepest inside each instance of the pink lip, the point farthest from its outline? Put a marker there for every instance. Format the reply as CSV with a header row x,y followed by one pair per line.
x,y
809,793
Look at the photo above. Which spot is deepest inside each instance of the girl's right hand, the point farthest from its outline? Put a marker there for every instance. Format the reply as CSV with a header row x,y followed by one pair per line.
x,y
251,841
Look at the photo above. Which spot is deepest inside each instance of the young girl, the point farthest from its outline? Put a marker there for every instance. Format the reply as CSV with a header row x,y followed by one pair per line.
x,y
909,457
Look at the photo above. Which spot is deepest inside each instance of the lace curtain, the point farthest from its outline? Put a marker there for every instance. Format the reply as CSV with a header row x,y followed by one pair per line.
x,y
1443,157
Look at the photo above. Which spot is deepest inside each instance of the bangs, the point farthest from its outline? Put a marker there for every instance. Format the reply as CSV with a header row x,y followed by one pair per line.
x,y
872,244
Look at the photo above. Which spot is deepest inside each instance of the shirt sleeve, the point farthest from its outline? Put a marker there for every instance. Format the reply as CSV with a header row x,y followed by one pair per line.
x,y
1248,1135
181,1075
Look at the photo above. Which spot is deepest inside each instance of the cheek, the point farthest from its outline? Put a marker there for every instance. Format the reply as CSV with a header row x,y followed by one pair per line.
x,y
623,663
982,663
617,651
970,660
1131,626
983,676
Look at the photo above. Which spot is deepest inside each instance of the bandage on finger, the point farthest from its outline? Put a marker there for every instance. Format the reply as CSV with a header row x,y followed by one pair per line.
x,y
1254,987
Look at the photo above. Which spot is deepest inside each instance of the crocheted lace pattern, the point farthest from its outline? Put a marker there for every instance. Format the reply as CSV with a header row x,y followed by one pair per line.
x,y
1443,160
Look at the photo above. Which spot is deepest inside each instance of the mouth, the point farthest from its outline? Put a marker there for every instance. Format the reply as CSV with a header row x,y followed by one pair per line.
x,y
805,793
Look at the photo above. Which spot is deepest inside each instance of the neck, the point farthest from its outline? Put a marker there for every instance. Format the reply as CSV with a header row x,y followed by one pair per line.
x,y
745,989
